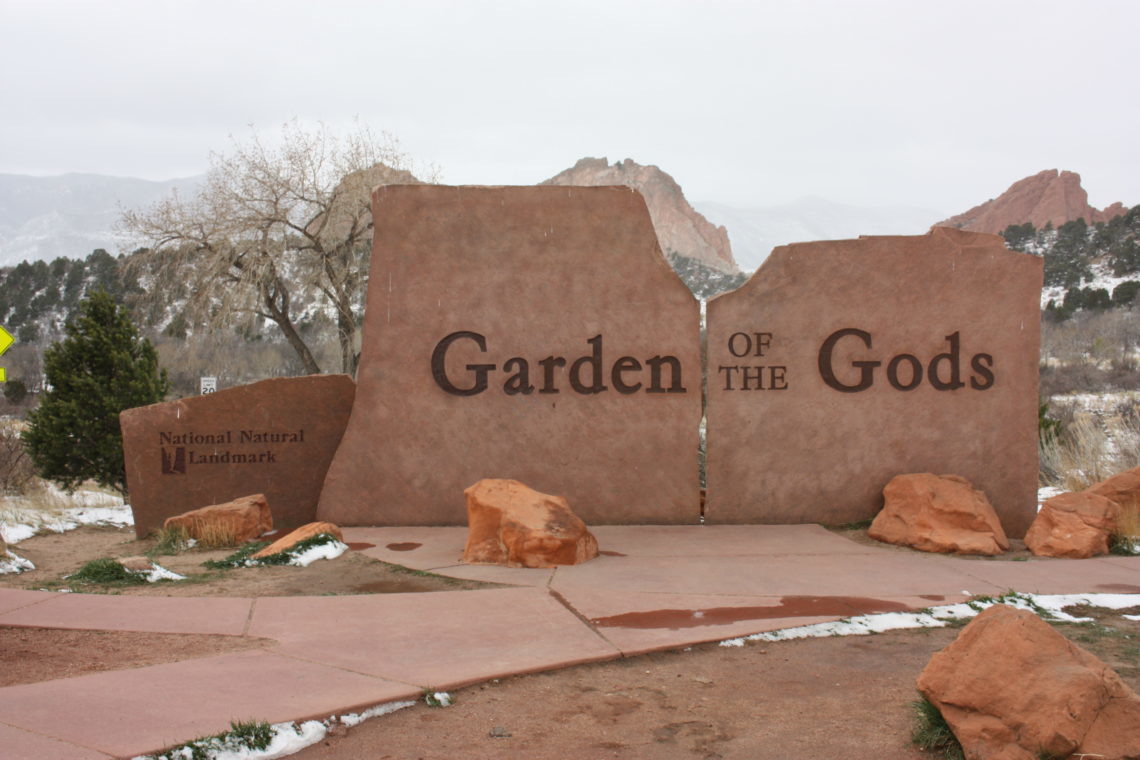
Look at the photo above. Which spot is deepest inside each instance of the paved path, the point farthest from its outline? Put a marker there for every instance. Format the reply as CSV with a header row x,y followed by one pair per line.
x,y
654,588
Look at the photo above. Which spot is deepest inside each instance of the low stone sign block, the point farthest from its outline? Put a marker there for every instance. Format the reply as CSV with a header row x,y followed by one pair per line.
x,y
274,437
841,364
529,333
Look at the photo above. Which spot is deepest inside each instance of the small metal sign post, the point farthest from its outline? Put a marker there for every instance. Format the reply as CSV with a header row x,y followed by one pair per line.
x,y
208,385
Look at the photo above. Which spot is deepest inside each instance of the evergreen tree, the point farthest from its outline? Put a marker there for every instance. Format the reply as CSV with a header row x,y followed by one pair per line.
x,y
101,368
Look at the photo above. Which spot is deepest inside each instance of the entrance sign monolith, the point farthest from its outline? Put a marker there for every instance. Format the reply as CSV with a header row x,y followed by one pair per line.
x,y
529,333
840,365
275,437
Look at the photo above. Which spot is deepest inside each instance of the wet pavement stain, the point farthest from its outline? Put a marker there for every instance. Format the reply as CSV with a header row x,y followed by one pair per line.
x,y
359,546
407,546
789,606
932,597
612,554
1118,588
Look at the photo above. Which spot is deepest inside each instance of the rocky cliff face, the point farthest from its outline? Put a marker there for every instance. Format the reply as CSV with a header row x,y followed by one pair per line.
x,y
680,229
1050,196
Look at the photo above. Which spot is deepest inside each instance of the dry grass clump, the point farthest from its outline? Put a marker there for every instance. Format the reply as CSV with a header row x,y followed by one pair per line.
x,y
17,472
211,534
1090,448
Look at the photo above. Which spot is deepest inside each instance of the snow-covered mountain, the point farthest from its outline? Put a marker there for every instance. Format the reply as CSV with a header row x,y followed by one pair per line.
x,y
42,218
754,232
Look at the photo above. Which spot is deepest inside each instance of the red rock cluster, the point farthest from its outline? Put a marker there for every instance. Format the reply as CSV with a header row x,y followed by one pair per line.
x,y
1012,688
680,228
1048,197
513,525
1080,524
938,514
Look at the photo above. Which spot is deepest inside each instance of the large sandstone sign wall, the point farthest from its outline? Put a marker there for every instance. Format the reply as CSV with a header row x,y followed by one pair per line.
x,y
276,437
842,364
528,333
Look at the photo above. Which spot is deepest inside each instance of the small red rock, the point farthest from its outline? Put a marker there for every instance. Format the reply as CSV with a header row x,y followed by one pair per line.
x,y
300,534
938,514
513,525
245,519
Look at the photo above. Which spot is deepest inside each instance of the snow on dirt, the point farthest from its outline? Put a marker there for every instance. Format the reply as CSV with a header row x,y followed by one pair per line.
x,y
21,519
1052,605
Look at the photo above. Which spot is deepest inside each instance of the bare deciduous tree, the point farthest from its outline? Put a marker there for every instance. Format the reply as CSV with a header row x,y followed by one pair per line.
x,y
272,222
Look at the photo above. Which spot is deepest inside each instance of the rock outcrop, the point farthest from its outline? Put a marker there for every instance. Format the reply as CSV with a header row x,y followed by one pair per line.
x,y
228,524
943,514
513,525
1048,197
295,537
680,229
1011,687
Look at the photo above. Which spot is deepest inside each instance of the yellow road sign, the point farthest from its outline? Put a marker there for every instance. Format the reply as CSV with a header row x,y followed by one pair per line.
x,y
6,341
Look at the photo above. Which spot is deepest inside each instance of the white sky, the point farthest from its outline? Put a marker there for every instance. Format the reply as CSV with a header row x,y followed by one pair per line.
x,y
933,104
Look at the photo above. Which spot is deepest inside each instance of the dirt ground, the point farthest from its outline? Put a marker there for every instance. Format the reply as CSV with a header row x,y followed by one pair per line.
x,y
818,698
56,555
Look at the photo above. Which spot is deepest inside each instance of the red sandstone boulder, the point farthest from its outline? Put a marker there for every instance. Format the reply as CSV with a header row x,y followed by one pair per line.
x,y
1123,488
1012,688
300,534
137,564
513,525
938,514
1074,525
231,523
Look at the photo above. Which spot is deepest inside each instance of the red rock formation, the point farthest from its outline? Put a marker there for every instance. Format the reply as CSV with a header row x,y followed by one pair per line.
x,y
290,540
938,514
1048,197
513,525
1011,687
234,522
679,227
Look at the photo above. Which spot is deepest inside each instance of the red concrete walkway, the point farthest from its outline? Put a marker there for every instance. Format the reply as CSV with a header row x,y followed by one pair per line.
x,y
345,653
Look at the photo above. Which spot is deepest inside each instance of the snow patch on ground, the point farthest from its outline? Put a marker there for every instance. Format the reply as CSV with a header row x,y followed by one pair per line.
x,y
160,573
331,550
288,738
20,519
353,719
13,563
1052,605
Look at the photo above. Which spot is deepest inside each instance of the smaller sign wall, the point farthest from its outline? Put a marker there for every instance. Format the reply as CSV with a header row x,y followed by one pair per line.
x,y
841,364
274,437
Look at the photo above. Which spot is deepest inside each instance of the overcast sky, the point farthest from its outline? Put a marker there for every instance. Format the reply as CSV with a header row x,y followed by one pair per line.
x,y
933,104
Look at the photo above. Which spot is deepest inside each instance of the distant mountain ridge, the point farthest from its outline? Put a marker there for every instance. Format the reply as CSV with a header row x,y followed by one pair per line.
x,y
681,230
1049,198
70,215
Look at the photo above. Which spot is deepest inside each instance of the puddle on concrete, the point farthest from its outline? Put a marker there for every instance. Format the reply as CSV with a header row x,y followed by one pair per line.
x,y
407,546
1118,588
789,606
359,546
612,554
932,597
